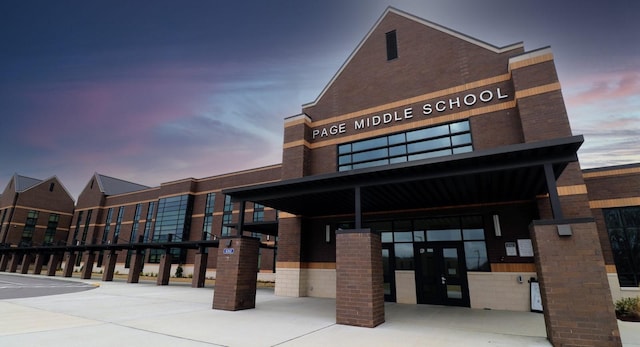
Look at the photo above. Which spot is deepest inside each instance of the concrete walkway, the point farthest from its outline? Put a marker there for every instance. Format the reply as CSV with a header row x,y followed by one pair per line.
x,y
143,314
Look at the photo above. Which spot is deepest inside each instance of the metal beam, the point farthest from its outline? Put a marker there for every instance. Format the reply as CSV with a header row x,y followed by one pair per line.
x,y
243,205
552,187
358,208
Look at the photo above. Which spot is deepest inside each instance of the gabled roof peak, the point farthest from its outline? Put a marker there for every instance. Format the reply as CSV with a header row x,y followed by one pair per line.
x,y
113,186
419,20
23,183
449,31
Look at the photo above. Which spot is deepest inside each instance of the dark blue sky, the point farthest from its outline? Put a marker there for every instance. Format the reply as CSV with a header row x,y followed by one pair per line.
x,y
153,91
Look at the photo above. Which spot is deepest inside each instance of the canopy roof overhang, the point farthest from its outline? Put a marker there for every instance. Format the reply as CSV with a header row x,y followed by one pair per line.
x,y
510,173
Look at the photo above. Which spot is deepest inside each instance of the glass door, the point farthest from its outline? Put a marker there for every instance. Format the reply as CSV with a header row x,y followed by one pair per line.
x,y
388,273
441,276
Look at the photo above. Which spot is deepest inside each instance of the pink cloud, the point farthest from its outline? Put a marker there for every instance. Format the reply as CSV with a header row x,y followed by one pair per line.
x,y
110,110
604,87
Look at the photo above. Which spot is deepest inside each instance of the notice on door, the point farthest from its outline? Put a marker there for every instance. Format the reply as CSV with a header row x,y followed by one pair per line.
x,y
536,299
512,251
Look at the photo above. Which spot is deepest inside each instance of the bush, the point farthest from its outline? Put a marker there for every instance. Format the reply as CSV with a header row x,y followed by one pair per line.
x,y
628,309
179,271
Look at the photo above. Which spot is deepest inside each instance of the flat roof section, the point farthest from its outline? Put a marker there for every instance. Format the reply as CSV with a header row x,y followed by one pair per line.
x,y
509,173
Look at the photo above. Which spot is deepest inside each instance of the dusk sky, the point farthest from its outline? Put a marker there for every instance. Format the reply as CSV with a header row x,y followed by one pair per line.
x,y
155,91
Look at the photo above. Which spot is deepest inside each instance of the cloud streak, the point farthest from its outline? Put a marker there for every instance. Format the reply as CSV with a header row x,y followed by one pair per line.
x,y
157,91
605,107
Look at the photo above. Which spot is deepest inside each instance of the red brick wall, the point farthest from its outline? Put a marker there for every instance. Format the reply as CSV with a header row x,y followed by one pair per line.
x,y
428,60
289,241
576,297
236,276
613,186
359,285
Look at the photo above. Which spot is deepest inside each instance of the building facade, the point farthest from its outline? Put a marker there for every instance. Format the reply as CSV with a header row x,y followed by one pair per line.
x,y
455,161
114,211
415,91
434,168
35,212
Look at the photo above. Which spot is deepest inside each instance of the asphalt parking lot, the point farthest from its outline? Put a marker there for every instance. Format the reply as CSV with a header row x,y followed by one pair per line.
x,y
13,287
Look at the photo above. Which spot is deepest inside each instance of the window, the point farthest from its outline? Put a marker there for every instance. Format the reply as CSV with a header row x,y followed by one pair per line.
x,y
52,226
258,212
4,216
107,226
77,230
29,228
86,227
227,216
392,45
173,221
148,221
116,230
623,226
437,141
466,229
136,224
208,216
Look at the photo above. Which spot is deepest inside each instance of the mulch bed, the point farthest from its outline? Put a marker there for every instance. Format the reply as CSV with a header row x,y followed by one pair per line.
x,y
629,317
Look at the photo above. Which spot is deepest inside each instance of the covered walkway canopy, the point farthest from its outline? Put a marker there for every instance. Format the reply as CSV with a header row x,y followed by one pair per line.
x,y
509,173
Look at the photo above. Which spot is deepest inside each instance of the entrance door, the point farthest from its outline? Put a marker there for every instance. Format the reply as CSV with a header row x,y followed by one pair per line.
x,y
441,275
388,271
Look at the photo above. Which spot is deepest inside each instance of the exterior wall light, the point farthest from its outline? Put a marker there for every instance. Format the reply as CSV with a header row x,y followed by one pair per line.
x,y
327,234
496,225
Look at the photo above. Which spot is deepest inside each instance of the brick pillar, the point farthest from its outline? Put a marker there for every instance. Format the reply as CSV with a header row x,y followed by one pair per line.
x,y
135,266
87,269
359,278
199,269
236,274
290,273
4,261
13,264
576,298
54,261
164,269
39,262
109,265
27,258
69,264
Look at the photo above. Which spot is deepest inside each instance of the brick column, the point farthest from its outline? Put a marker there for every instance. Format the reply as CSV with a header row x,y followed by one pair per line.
x,y
39,262
236,274
27,258
164,269
135,266
359,278
87,269
4,261
576,298
290,274
199,269
13,264
68,265
54,261
109,265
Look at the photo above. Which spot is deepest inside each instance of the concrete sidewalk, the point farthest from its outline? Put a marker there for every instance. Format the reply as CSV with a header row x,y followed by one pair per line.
x,y
144,314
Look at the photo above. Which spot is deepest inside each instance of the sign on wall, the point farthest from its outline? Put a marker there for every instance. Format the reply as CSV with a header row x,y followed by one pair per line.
x,y
428,109
525,247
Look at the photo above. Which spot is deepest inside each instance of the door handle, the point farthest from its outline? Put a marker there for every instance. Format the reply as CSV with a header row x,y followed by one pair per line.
x,y
443,279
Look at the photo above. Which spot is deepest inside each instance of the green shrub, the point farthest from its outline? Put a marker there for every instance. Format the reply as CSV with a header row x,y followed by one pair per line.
x,y
628,307
179,271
